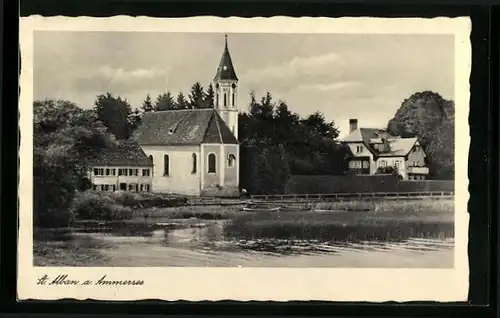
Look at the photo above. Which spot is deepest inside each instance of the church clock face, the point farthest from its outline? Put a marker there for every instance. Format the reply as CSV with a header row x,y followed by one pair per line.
x,y
225,68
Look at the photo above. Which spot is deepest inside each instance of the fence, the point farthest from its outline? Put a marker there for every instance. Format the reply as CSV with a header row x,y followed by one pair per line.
x,y
360,195
305,184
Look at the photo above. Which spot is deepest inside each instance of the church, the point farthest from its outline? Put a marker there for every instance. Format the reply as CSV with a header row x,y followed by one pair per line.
x,y
186,151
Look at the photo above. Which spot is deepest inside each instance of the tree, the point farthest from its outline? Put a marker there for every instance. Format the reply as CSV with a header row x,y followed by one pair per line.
x,y
196,96
181,102
429,117
266,167
116,114
317,124
147,105
165,101
64,137
209,97
305,146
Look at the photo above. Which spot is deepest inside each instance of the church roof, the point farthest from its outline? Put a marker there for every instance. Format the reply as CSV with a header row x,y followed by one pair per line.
x,y
225,71
125,153
184,127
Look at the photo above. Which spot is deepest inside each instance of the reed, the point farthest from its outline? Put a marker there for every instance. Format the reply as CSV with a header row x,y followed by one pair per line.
x,y
385,220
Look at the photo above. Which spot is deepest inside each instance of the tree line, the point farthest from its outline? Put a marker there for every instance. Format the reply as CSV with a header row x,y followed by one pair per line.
x,y
275,143
431,118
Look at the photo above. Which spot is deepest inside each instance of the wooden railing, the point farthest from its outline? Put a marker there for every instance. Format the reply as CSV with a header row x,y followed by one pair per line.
x,y
354,195
320,197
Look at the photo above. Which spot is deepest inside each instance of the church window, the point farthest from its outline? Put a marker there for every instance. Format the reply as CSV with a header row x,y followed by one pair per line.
x,y
211,163
231,160
194,163
233,86
233,100
166,165
225,99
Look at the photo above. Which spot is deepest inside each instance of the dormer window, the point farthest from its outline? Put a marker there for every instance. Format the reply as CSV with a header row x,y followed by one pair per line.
x,y
359,149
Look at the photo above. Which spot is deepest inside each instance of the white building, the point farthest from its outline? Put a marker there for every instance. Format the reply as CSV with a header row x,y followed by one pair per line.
x,y
374,150
124,167
196,151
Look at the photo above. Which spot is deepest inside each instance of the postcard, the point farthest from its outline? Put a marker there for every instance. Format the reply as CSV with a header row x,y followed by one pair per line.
x,y
271,159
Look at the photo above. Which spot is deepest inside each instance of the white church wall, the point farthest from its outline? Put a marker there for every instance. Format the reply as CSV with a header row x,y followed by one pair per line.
x,y
181,178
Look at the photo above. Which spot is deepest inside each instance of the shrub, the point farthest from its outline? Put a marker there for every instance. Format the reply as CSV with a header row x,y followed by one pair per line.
x,y
99,206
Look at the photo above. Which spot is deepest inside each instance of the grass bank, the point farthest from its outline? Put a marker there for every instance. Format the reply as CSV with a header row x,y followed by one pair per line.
x,y
386,220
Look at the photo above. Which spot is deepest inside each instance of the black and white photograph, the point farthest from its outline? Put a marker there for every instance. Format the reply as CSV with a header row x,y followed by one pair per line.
x,y
199,145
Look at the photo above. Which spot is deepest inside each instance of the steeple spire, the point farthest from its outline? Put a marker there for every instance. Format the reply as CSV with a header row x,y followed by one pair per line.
x,y
225,71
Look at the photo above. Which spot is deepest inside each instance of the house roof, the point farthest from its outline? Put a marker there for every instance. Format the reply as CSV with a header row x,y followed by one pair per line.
x,y
183,127
399,147
225,71
363,135
125,153
368,136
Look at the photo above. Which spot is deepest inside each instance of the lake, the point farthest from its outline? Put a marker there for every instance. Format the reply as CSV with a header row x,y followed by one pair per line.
x,y
204,243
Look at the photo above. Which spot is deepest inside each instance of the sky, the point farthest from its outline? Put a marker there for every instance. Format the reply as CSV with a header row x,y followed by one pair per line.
x,y
362,76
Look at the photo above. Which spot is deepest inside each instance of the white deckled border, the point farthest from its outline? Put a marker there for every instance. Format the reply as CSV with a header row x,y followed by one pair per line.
x,y
277,284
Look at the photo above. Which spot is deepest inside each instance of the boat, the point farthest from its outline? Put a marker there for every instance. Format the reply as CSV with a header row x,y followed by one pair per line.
x,y
275,209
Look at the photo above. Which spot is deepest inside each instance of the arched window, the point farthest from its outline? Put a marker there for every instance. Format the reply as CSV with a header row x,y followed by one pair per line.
x,y
212,163
166,165
225,99
194,163
233,99
231,159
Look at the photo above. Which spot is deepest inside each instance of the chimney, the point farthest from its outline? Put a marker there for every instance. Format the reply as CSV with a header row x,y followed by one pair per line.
x,y
353,125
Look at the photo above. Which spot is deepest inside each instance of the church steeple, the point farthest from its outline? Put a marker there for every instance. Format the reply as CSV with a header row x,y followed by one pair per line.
x,y
226,91
225,71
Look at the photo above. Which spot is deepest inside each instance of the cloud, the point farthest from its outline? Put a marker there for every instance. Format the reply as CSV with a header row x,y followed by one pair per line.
x,y
123,75
295,67
334,86
121,80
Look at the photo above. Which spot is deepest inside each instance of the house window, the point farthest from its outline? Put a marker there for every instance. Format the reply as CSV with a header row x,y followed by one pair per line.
x,y
230,160
166,165
193,158
365,165
114,187
396,164
147,187
106,187
211,163
359,149
123,172
99,172
133,187
225,99
133,172
145,172
383,163
108,172
94,187
113,172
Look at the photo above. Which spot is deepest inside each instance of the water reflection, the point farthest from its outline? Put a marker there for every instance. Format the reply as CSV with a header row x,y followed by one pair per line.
x,y
214,236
